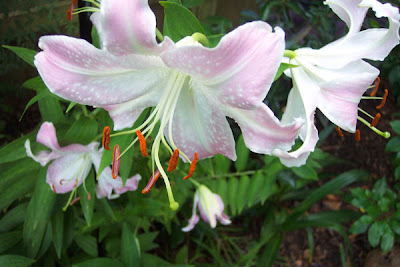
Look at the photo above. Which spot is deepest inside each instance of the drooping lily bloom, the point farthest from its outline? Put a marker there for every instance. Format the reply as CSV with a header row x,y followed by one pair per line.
x,y
334,78
193,88
72,165
210,207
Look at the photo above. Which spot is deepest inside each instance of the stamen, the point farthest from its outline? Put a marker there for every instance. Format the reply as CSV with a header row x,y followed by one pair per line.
x,y
74,201
192,167
54,189
376,120
71,9
376,83
153,179
106,138
173,162
116,161
142,143
383,100
383,134
357,135
339,131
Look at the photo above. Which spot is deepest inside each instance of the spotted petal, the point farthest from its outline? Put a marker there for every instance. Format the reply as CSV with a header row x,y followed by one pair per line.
x,y
127,27
240,70
75,70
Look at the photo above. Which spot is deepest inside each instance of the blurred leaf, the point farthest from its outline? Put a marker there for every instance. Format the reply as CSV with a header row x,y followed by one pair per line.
x,y
8,240
395,225
16,150
222,164
13,218
25,54
305,172
191,3
282,68
71,105
182,255
179,22
15,261
86,203
393,145
35,84
242,155
379,189
271,251
130,248
38,213
57,225
242,197
375,232
214,39
82,131
87,243
146,241
358,227
100,262
95,38
395,126
233,184
387,239
50,109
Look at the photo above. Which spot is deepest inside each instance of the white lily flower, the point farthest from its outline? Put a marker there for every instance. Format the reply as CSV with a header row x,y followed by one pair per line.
x,y
334,78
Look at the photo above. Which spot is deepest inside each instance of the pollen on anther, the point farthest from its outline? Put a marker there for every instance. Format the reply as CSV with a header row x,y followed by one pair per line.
x,y
173,162
142,143
339,131
192,167
376,83
106,138
153,179
116,161
375,120
383,100
357,135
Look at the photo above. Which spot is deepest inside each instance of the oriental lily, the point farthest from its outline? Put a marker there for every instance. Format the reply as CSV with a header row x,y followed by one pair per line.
x,y
193,88
334,78
72,164
211,208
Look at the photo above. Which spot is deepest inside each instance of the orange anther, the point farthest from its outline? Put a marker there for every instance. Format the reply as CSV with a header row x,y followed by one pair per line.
x,y
54,189
376,83
69,14
74,201
142,143
339,132
357,135
383,100
173,162
153,179
106,138
375,120
116,161
192,167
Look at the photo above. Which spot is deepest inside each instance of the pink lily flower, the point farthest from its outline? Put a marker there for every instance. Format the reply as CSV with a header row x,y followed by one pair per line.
x,y
334,78
211,208
71,165
193,88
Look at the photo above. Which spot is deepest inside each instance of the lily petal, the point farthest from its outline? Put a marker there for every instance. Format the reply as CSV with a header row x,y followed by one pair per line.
x,y
262,131
127,27
106,184
221,216
76,70
200,127
240,70
47,136
43,157
68,172
195,218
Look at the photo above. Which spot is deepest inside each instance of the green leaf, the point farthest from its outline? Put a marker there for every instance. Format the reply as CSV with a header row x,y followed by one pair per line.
x,y
387,239
222,164
395,225
25,54
242,155
305,172
95,37
233,184
329,188
182,255
271,251
358,227
130,248
256,183
35,84
242,196
146,241
100,262
13,218
16,150
87,243
82,131
50,109
393,145
86,203
15,261
214,39
179,22
191,3
282,68
379,189
395,126
375,232
71,105
38,213
33,100
8,240
57,226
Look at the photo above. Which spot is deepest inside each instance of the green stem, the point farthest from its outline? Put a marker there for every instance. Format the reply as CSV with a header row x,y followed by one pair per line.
x,y
383,134
290,54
